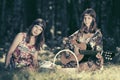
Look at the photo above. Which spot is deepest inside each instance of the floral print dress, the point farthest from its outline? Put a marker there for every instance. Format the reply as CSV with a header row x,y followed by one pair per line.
x,y
23,54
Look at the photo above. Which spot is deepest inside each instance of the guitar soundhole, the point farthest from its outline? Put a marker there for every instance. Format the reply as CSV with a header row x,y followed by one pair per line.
x,y
89,47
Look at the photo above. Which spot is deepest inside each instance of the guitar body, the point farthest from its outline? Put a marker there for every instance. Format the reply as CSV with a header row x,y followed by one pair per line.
x,y
77,46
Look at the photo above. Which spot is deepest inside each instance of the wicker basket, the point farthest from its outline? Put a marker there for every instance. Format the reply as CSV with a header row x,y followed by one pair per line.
x,y
70,70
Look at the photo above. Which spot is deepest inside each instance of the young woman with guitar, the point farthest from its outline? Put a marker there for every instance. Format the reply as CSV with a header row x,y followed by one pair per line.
x,y
87,41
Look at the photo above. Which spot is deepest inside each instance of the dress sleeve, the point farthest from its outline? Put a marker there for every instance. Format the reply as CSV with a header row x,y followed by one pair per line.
x,y
98,42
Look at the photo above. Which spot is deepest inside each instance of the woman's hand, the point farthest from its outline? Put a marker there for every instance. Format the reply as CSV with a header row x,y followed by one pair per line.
x,y
6,66
99,56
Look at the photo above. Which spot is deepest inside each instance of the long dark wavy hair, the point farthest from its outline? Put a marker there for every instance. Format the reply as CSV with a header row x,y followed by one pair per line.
x,y
93,26
39,40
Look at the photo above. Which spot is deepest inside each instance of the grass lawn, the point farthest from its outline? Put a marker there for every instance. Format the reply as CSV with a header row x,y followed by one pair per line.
x,y
110,72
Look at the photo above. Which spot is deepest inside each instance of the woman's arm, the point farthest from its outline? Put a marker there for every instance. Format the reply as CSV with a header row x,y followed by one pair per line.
x,y
99,48
15,43
99,42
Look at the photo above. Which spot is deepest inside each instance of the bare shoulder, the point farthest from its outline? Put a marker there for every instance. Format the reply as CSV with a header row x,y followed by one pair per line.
x,y
20,36
22,33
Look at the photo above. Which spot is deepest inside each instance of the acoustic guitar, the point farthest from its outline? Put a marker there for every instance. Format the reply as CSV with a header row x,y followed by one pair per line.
x,y
79,46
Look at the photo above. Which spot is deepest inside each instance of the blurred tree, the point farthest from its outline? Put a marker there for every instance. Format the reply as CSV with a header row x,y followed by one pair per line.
x,y
62,17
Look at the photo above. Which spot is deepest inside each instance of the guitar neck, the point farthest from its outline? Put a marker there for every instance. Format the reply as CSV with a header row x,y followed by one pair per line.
x,y
88,52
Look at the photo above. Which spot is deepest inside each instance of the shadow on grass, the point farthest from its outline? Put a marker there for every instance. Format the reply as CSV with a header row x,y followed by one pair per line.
x,y
4,74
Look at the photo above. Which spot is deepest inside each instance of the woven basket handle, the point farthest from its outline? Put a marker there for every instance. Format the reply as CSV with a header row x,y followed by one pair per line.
x,y
70,52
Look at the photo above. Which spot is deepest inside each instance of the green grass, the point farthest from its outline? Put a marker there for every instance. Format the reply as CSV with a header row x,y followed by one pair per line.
x,y
110,72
